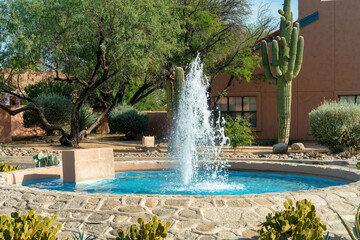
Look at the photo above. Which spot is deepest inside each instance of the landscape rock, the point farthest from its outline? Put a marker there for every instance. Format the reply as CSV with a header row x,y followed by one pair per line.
x,y
297,146
280,148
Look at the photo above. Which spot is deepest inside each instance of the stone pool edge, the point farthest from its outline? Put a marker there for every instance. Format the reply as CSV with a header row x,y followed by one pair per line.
x,y
193,217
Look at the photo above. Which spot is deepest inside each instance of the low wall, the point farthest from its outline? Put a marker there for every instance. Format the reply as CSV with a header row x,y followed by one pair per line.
x,y
159,124
12,126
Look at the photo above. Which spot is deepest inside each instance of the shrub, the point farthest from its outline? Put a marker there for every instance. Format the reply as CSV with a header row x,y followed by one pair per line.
x,y
239,131
297,224
42,160
126,119
7,168
28,227
86,117
336,125
152,230
56,108
49,87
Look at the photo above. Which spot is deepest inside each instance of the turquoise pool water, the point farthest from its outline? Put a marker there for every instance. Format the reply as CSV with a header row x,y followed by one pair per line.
x,y
237,183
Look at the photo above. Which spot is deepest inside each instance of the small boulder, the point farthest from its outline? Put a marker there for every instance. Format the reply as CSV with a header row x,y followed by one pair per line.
x,y
280,148
297,146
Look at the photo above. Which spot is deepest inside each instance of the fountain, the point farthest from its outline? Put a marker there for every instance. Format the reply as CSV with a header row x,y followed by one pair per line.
x,y
197,166
193,136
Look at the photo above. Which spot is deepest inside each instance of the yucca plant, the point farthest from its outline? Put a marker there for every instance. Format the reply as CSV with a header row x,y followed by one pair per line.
x,y
355,234
81,236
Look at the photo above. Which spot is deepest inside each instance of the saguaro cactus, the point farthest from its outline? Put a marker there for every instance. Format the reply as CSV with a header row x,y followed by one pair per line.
x,y
287,54
173,92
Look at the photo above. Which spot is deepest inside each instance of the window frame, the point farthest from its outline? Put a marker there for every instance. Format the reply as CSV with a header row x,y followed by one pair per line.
x,y
258,105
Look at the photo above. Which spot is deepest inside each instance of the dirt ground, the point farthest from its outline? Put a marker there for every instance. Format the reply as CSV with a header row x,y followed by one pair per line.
x,y
121,145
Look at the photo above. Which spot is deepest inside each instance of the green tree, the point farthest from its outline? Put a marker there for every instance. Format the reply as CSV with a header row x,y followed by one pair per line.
x,y
99,45
219,32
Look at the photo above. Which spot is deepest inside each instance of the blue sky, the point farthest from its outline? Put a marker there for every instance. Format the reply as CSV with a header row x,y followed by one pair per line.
x,y
274,6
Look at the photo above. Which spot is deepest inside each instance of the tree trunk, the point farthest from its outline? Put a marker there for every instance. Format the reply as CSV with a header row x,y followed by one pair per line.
x,y
284,109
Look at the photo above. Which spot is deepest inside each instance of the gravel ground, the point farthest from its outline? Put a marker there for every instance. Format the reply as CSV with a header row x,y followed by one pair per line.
x,y
14,151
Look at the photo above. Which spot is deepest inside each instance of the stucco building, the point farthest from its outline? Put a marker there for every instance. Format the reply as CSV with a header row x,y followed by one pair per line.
x,y
330,70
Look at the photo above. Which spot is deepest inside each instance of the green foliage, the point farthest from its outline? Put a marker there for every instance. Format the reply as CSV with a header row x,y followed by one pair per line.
x,y
98,45
336,125
7,168
28,227
293,223
355,234
239,131
56,109
126,119
156,101
81,236
153,230
50,87
86,117
42,160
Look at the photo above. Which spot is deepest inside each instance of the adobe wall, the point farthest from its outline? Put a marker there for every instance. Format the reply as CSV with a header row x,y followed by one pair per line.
x,y
5,126
159,124
18,129
330,68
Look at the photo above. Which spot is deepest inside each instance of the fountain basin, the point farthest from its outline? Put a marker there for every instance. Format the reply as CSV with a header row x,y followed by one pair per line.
x,y
221,216
269,171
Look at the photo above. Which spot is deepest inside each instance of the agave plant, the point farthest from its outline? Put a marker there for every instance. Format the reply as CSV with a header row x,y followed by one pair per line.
x,y
81,236
355,234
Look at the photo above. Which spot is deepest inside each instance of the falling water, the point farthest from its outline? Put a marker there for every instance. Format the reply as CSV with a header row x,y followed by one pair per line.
x,y
194,138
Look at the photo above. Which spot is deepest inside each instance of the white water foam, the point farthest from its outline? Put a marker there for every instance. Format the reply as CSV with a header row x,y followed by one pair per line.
x,y
193,137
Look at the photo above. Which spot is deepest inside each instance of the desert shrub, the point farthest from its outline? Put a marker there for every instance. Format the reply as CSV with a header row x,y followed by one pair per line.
x,y
126,119
336,125
56,108
293,223
49,87
151,230
28,227
86,117
239,131
7,168
42,160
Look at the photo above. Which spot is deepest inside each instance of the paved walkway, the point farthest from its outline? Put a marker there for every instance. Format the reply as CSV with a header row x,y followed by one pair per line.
x,y
192,217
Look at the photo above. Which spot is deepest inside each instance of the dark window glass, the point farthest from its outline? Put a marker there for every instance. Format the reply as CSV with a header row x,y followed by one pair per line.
x,y
350,99
238,106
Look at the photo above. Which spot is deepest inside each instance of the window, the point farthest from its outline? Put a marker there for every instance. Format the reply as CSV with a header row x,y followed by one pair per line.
x,y
350,99
238,106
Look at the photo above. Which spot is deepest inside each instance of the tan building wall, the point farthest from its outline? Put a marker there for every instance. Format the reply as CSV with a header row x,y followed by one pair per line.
x,y
331,68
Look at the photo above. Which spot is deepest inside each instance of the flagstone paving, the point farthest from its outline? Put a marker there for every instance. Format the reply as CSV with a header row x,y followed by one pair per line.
x,y
192,217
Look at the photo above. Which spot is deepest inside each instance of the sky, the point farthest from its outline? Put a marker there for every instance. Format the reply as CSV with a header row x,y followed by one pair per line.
x,y
274,6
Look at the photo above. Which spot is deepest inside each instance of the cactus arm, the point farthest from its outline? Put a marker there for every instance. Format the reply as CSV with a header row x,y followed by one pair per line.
x,y
266,64
169,97
178,86
299,56
275,58
292,55
284,54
